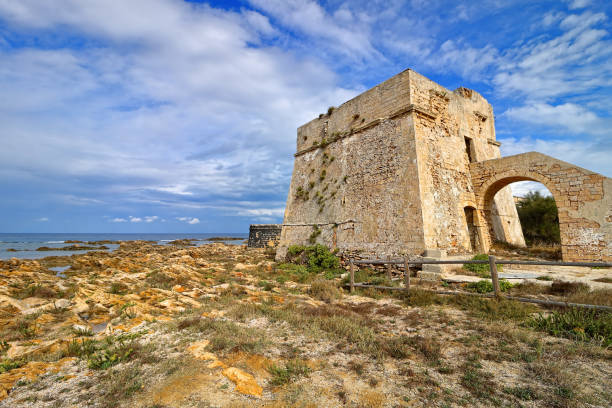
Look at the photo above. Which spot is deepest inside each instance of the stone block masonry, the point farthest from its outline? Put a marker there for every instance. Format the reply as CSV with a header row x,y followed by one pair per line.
x,y
391,173
583,198
264,235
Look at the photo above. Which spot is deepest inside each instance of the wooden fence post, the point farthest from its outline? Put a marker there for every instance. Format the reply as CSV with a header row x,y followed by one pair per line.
x,y
494,278
389,268
352,273
406,275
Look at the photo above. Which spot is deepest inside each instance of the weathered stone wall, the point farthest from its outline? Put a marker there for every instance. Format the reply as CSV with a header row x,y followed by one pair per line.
x,y
583,198
355,177
264,235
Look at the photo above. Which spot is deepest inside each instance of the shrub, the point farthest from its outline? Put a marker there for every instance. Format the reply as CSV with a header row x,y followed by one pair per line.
x,y
481,270
317,257
486,286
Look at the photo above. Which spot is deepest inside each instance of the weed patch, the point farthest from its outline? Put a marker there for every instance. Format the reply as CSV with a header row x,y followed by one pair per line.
x,y
475,380
35,290
577,324
523,393
226,336
10,364
291,371
481,270
119,385
486,286
563,288
324,290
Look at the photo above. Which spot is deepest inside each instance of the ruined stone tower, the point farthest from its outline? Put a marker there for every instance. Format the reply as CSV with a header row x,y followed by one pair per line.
x,y
389,173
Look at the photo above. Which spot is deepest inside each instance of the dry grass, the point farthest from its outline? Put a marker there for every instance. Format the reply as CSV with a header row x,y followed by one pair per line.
x,y
560,385
371,399
594,297
528,288
35,290
324,290
429,347
534,250
564,288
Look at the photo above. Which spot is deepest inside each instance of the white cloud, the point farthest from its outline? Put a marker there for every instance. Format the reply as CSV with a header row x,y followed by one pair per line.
x,y
465,60
570,116
342,31
151,218
576,4
270,212
522,188
177,189
189,220
575,62
43,219
135,219
169,91
118,220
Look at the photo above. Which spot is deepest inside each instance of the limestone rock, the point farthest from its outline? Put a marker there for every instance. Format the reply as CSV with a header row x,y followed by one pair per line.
x,y
245,382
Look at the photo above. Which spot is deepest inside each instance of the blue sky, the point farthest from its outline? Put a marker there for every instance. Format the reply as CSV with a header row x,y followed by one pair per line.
x,y
175,116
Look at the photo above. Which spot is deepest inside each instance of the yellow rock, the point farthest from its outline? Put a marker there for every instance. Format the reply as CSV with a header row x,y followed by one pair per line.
x,y
245,382
216,364
45,318
30,372
178,288
197,349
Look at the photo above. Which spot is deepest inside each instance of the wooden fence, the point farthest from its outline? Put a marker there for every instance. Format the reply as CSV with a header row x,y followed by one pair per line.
x,y
492,262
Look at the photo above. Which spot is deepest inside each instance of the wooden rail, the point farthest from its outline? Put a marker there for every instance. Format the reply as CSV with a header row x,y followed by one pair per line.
x,y
492,262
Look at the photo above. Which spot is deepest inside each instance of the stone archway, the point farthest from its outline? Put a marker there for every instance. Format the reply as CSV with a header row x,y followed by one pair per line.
x,y
584,200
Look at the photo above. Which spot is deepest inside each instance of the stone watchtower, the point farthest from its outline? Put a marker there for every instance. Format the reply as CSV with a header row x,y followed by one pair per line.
x,y
388,173
409,166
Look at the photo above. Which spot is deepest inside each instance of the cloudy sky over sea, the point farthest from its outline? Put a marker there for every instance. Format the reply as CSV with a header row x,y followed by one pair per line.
x,y
177,116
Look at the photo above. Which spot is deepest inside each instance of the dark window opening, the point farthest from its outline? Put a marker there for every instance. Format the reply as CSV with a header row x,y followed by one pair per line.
x,y
469,148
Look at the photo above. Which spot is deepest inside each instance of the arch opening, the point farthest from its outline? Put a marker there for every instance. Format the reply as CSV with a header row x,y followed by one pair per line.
x,y
523,217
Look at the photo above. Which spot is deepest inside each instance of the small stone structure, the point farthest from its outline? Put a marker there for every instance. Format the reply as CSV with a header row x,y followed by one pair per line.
x,y
410,166
264,235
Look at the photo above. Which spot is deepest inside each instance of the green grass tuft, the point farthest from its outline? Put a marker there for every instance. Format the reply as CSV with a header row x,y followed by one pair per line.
x,y
577,324
291,371
481,270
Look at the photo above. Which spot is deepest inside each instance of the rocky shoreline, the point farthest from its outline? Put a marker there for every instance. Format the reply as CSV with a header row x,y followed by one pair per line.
x,y
222,325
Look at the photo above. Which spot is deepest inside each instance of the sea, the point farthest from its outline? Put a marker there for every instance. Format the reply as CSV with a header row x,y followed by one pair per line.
x,y
25,245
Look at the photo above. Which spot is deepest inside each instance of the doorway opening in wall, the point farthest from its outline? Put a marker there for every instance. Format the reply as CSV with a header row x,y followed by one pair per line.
x,y
469,149
470,217
536,230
